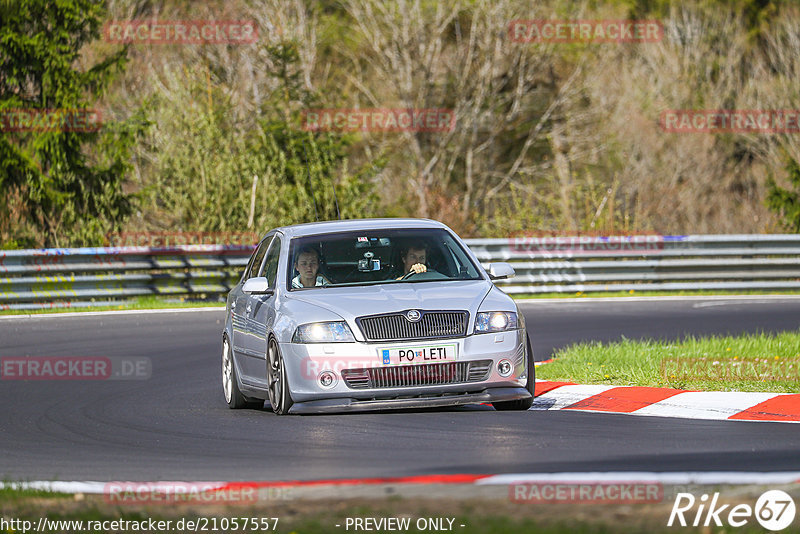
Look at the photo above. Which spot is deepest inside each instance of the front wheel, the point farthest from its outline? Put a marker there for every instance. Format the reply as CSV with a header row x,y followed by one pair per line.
x,y
522,404
279,397
230,388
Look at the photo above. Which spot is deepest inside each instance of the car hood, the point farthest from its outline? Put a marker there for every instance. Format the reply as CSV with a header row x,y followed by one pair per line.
x,y
352,302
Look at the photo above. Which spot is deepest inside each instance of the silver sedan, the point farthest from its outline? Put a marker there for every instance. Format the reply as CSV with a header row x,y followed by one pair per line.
x,y
372,314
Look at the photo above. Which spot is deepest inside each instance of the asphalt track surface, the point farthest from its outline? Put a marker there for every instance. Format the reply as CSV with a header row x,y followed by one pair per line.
x,y
175,425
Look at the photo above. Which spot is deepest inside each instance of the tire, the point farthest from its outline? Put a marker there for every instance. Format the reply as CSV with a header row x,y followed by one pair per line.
x,y
279,396
230,387
522,404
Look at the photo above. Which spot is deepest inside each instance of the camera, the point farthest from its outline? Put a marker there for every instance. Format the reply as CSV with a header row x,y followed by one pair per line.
x,y
367,263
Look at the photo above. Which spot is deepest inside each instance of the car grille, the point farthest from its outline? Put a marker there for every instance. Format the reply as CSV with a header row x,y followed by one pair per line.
x,y
417,375
432,324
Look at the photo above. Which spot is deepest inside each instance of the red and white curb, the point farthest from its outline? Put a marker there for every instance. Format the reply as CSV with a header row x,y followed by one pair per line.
x,y
665,402
94,487
676,478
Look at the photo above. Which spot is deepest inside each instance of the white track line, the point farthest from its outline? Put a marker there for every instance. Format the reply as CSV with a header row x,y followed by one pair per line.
x,y
531,301
680,298
688,477
110,487
57,315
676,478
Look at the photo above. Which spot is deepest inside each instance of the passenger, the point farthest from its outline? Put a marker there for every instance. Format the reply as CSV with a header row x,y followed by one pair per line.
x,y
307,265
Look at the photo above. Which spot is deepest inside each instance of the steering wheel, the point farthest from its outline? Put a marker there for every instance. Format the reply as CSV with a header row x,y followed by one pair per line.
x,y
426,275
409,275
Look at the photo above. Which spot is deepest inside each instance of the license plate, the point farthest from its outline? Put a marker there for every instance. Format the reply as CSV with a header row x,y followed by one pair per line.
x,y
417,354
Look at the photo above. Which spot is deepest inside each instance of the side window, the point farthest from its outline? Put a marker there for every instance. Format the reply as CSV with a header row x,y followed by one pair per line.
x,y
271,265
255,261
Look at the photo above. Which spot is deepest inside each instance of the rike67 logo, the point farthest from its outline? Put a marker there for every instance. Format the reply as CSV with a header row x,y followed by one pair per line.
x,y
774,510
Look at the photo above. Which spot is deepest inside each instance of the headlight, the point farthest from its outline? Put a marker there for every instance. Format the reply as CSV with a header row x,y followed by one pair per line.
x,y
495,322
334,332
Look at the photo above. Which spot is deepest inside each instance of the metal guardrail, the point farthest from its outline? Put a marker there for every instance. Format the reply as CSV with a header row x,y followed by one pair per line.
x,y
96,276
59,278
642,263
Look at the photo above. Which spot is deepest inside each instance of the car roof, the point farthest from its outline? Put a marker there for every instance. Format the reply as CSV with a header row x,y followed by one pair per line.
x,y
325,227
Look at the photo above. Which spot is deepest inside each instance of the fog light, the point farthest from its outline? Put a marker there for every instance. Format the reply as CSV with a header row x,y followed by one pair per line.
x,y
327,379
504,368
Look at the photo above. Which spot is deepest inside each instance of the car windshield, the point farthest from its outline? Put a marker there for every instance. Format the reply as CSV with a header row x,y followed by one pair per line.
x,y
369,257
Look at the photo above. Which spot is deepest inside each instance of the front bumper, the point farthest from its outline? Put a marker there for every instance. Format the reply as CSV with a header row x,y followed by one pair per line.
x,y
438,401
305,363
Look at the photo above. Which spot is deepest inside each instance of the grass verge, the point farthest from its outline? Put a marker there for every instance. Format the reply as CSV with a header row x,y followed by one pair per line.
x,y
496,514
761,362
140,303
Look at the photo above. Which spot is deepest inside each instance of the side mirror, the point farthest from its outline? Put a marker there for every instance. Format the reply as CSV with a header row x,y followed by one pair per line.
x,y
258,285
500,270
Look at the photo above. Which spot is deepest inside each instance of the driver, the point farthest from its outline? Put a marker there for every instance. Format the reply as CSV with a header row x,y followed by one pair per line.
x,y
307,265
413,258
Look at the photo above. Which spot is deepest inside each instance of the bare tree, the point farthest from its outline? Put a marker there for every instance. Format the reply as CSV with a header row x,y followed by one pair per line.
x,y
458,55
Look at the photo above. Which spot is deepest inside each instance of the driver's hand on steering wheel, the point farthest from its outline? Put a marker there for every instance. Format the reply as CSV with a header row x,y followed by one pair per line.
x,y
415,269
418,268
